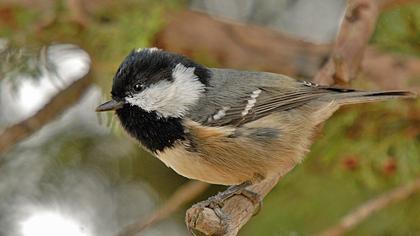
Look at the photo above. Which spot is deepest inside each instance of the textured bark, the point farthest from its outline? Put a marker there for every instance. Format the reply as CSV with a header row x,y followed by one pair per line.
x,y
238,210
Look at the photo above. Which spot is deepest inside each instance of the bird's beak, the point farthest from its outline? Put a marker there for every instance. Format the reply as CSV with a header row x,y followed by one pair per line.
x,y
111,105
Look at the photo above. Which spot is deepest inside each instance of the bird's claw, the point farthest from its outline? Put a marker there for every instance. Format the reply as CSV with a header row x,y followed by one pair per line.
x,y
216,202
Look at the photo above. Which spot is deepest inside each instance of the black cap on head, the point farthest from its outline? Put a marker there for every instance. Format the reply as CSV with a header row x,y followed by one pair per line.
x,y
149,66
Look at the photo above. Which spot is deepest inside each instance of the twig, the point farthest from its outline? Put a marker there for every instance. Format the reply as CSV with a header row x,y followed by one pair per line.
x,y
343,64
183,195
356,29
78,12
355,217
57,105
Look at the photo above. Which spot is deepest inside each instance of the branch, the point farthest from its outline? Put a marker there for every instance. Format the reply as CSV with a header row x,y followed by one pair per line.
x,y
343,65
357,216
238,210
356,29
57,105
78,12
240,46
184,194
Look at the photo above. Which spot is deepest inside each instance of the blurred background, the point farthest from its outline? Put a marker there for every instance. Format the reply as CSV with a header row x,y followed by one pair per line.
x,y
65,170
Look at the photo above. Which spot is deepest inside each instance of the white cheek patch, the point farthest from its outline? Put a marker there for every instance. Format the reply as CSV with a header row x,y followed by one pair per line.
x,y
171,98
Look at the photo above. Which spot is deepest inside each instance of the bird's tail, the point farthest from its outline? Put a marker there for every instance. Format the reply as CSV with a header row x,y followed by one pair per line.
x,y
354,96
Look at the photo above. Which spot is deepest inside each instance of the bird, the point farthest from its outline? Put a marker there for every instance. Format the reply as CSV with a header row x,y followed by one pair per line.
x,y
223,126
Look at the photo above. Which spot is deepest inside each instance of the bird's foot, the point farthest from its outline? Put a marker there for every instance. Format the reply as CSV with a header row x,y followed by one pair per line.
x,y
217,202
240,189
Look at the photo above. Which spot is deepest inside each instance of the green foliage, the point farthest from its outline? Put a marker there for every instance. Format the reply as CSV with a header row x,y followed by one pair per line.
x,y
399,30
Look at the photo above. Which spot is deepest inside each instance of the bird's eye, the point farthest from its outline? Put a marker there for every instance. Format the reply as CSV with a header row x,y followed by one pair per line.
x,y
138,87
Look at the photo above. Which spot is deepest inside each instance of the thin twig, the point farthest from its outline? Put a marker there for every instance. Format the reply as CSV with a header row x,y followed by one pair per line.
x,y
183,195
351,220
344,62
55,107
78,12
356,29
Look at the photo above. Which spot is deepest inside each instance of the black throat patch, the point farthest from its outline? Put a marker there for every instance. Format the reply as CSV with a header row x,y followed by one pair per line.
x,y
155,133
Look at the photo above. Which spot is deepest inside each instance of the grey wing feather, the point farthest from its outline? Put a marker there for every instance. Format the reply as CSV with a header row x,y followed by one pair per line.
x,y
236,97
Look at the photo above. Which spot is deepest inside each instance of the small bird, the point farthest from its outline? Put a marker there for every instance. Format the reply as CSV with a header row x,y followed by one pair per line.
x,y
223,126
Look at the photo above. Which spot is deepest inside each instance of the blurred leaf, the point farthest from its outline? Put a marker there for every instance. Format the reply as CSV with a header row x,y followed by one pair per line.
x,y
399,29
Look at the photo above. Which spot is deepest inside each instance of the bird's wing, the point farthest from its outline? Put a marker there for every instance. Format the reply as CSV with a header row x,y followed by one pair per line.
x,y
237,97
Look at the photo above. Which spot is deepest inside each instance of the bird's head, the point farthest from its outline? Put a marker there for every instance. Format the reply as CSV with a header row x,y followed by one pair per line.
x,y
157,81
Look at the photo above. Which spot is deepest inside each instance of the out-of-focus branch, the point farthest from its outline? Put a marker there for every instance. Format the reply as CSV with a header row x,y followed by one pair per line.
x,y
78,12
249,46
357,216
240,46
55,107
183,195
343,65
356,29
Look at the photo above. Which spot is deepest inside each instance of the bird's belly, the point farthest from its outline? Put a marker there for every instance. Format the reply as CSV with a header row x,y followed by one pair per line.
x,y
193,166
224,155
